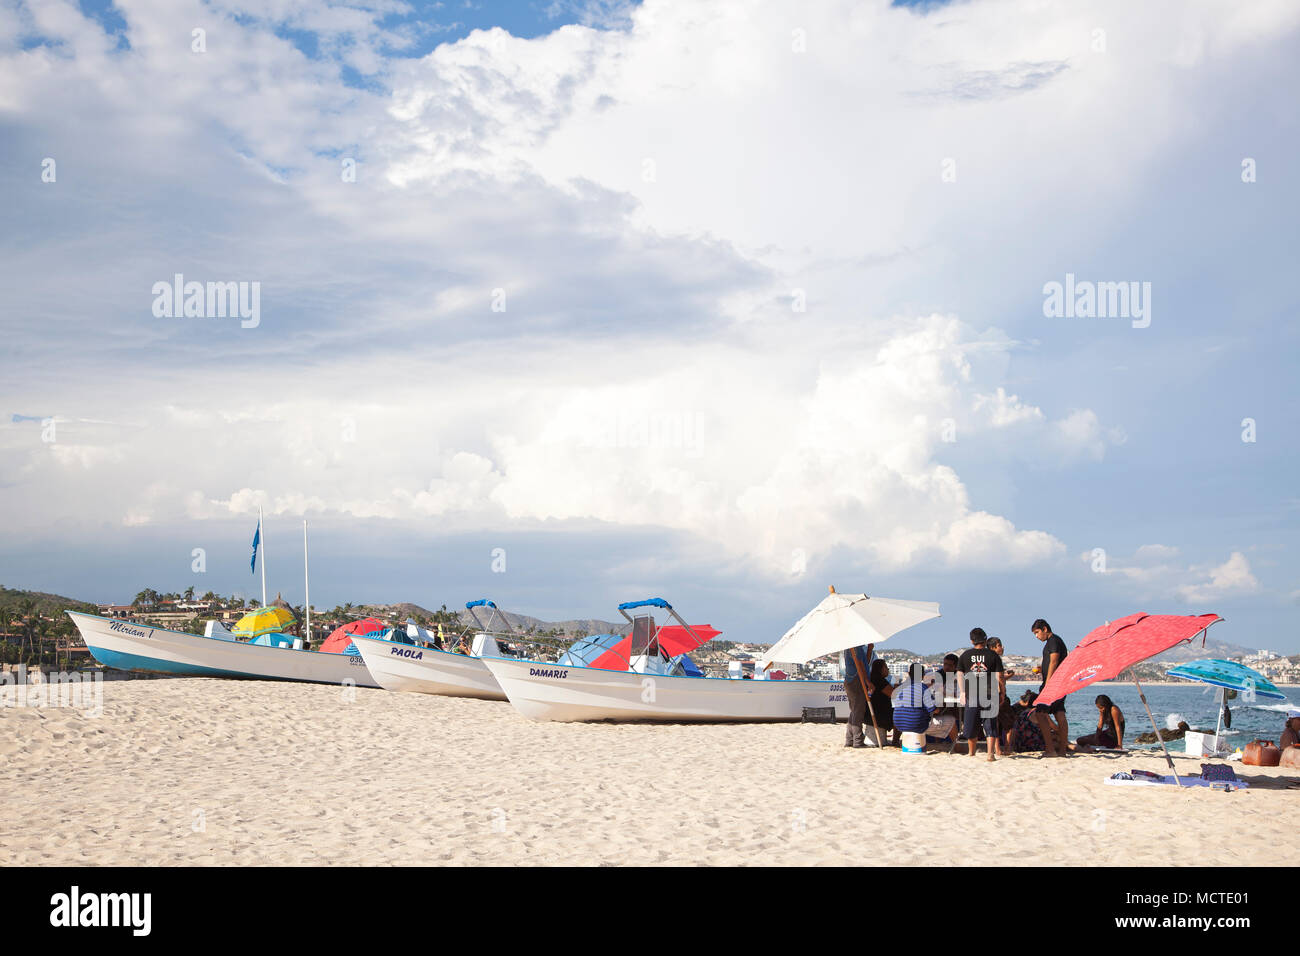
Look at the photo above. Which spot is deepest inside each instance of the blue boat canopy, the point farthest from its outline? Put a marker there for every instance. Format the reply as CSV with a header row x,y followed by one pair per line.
x,y
649,602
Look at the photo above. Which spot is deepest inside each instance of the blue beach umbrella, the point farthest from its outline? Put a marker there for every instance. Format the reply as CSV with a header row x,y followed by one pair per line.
x,y
1229,675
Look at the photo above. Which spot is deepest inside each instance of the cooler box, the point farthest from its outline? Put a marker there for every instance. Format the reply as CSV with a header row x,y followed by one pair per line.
x,y
913,743
1204,745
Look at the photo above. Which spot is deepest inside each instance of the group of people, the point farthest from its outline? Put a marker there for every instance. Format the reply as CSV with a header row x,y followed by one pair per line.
x,y
967,700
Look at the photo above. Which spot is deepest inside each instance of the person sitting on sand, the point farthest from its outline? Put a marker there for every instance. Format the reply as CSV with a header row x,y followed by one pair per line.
x,y
1290,731
882,692
1110,728
1024,735
1289,742
913,703
947,718
944,722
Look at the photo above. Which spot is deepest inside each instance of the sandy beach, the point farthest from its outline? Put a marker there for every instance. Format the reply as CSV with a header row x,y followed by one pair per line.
x,y
196,771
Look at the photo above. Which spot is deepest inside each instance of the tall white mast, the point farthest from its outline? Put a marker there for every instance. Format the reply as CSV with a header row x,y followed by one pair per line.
x,y
261,527
306,578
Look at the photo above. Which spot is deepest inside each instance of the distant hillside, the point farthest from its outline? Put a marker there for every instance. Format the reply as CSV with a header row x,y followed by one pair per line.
x,y
46,604
1194,651
521,622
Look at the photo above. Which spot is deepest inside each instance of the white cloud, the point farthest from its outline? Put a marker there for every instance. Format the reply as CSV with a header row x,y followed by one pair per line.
x,y
650,369
1158,572
1233,578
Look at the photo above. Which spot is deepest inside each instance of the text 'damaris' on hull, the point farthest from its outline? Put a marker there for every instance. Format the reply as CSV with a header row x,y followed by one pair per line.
x,y
545,691
130,646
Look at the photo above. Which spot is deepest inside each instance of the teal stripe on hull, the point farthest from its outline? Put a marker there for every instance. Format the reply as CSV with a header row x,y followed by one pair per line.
x,y
138,662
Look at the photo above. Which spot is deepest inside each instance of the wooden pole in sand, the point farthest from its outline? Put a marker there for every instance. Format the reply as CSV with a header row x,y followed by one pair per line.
x,y
261,534
306,582
863,681
1159,736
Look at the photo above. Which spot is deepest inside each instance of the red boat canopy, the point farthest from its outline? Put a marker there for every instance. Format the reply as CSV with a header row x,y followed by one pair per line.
x,y
673,639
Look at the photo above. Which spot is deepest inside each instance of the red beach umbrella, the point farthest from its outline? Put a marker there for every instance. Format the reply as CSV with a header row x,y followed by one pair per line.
x,y
1118,645
673,638
340,638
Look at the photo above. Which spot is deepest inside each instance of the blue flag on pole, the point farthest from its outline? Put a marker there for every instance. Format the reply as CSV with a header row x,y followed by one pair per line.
x,y
257,536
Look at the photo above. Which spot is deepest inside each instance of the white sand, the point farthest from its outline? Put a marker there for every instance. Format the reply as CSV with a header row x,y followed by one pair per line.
x,y
192,771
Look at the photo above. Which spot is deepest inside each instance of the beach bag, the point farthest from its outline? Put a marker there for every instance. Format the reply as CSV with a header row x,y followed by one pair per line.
x,y
1290,758
1217,771
1261,753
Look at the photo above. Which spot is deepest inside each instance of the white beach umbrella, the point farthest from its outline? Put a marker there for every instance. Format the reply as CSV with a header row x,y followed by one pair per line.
x,y
847,620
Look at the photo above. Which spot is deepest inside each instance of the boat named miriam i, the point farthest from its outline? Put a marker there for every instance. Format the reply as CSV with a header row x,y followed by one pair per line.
x,y
132,646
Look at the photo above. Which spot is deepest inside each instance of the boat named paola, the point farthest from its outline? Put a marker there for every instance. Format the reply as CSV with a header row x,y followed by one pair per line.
x,y
420,666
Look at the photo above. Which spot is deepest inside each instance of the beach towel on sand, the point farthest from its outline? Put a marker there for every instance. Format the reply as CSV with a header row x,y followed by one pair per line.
x,y
1148,779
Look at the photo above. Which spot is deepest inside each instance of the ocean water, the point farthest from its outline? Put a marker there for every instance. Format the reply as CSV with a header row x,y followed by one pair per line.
x,y
1195,703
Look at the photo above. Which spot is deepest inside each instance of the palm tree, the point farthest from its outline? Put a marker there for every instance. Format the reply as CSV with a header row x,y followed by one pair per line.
x,y
26,609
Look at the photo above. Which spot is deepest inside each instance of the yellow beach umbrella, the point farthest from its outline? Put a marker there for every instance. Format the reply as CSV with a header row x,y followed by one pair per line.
x,y
265,620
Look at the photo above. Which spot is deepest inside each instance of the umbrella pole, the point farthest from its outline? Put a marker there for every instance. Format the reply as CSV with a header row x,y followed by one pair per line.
x,y
1159,736
870,710
262,532
863,682
306,581
1223,702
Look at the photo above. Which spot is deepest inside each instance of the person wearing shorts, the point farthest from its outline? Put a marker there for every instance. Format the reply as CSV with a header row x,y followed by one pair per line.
x,y
983,691
1050,718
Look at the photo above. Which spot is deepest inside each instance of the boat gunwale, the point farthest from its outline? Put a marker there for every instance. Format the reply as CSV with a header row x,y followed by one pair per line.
x,y
606,670
203,637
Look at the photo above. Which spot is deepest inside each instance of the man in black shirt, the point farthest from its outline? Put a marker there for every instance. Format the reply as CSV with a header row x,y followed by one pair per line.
x,y
1051,718
983,693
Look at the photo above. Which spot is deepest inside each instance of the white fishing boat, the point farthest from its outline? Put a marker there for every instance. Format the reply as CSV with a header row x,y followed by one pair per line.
x,y
646,688
423,668
547,692
131,646
269,655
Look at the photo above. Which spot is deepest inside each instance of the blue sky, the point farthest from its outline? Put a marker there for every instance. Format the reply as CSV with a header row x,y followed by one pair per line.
x,y
722,304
